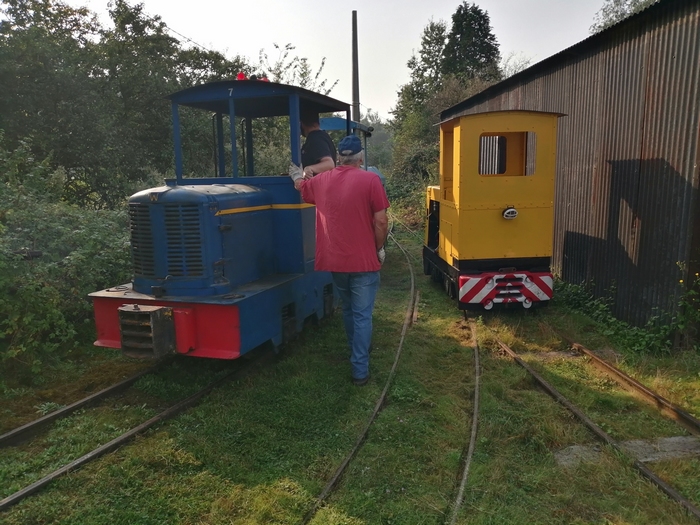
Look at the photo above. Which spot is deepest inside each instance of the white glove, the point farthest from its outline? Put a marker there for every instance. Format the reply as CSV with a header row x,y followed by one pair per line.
x,y
381,255
295,172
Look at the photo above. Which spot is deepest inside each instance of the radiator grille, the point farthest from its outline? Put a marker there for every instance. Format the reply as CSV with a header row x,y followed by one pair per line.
x,y
142,257
147,331
184,243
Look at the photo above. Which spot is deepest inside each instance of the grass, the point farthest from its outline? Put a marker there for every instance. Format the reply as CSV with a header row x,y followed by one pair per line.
x,y
86,429
259,450
23,400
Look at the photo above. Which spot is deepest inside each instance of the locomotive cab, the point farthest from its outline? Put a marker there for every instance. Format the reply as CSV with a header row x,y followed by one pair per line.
x,y
224,262
489,224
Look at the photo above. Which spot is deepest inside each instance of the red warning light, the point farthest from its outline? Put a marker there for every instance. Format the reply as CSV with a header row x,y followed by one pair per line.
x,y
240,76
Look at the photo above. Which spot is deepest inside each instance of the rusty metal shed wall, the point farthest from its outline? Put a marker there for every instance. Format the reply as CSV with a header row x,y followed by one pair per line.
x,y
626,210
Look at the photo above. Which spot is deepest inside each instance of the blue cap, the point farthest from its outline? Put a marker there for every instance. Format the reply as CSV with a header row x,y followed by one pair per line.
x,y
350,145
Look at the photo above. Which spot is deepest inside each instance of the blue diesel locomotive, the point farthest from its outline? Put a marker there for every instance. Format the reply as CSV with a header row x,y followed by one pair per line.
x,y
221,265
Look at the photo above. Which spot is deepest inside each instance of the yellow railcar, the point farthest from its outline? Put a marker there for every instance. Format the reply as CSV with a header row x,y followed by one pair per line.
x,y
488,237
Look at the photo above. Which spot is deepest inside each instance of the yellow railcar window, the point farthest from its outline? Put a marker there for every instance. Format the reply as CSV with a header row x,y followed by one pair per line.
x,y
508,153
492,154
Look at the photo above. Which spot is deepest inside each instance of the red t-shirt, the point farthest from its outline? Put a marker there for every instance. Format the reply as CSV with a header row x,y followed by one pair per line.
x,y
346,200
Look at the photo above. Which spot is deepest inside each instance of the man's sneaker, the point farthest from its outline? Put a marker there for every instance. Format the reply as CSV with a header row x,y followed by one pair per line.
x,y
360,382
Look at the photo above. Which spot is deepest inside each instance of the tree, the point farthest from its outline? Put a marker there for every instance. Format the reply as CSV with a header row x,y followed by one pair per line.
x,y
47,52
379,145
514,63
468,53
52,255
614,11
426,68
295,71
93,100
471,51
448,68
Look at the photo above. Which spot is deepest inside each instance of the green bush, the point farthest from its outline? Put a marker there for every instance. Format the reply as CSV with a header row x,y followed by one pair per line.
x,y
661,334
51,256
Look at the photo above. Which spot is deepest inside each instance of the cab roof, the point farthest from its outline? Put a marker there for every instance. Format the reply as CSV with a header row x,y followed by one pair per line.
x,y
458,111
254,98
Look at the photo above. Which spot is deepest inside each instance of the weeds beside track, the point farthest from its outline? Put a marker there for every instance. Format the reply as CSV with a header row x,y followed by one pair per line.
x,y
25,432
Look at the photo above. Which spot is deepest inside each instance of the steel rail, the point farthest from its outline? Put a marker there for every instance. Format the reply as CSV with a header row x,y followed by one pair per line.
x,y
457,505
604,436
127,436
331,484
24,432
690,423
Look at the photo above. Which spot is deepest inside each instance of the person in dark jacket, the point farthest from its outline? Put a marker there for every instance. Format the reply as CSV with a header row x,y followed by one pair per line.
x,y
318,154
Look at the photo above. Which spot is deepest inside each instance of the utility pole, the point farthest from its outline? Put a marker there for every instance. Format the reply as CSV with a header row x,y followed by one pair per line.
x,y
355,72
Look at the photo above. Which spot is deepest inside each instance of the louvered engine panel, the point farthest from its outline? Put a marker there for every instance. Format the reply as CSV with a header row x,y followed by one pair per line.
x,y
142,255
184,244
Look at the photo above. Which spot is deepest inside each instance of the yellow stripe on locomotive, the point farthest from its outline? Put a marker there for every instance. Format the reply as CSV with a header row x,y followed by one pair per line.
x,y
491,218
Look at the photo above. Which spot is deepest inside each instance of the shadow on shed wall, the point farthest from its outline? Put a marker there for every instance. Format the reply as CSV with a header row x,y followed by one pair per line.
x,y
642,236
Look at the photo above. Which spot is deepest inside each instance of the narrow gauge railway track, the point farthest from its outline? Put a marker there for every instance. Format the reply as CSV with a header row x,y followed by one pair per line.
x,y
457,503
241,370
463,475
337,475
643,470
683,418
23,433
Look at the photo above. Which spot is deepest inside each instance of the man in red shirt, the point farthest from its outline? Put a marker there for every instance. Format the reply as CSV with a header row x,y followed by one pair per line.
x,y
351,228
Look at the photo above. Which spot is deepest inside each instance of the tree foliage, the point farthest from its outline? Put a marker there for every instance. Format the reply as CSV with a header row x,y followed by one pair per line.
x,y
294,70
471,51
427,68
614,11
85,122
52,255
92,99
379,145
449,67
514,63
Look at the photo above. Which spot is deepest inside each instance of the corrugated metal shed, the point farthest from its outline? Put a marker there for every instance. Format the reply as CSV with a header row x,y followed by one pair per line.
x,y
626,211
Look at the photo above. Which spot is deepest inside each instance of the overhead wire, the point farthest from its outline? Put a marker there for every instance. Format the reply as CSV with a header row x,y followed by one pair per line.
x,y
186,38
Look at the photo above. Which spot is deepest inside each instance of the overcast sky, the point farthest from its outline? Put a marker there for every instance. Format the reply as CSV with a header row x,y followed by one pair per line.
x,y
389,32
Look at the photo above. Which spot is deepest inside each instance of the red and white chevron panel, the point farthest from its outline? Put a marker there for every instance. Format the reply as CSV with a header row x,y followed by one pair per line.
x,y
489,289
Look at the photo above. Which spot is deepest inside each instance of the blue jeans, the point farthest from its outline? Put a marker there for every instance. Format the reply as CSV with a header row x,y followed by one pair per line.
x,y
357,291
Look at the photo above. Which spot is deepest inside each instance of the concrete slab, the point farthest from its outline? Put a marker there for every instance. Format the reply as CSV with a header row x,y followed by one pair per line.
x,y
664,448
646,451
575,454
